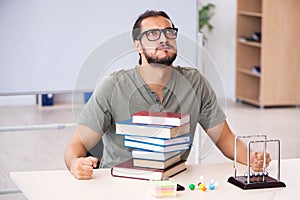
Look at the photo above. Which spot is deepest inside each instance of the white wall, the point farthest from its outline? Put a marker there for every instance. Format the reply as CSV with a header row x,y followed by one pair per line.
x,y
220,46
221,42
57,38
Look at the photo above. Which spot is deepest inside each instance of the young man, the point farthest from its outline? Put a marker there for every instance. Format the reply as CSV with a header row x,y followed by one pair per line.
x,y
156,85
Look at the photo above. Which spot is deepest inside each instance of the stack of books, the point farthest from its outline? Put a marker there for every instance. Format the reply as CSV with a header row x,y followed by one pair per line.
x,y
157,139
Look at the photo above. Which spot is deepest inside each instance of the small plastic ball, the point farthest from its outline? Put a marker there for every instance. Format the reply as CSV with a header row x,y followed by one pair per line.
x,y
211,186
202,187
192,186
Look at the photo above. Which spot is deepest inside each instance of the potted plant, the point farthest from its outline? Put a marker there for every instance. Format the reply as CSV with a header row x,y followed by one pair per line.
x,y
206,12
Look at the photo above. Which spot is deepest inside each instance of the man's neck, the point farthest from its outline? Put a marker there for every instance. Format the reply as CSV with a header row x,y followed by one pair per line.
x,y
156,77
152,74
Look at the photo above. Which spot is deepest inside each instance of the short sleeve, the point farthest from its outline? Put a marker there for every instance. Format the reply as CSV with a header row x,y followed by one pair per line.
x,y
211,114
97,112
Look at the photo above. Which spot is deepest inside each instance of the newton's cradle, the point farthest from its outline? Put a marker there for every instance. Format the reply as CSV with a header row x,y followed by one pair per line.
x,y
256,180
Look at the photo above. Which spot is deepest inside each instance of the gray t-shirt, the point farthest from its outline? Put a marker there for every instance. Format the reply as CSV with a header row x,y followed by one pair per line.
x,y
123,93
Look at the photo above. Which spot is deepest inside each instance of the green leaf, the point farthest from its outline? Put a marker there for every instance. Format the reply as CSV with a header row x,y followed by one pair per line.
x,y
205,14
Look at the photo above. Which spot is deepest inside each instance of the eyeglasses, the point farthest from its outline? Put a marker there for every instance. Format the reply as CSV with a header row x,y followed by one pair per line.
x,y
154,34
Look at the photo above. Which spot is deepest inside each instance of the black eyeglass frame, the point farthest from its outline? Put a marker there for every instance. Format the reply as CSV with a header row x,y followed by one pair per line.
x,y
139,37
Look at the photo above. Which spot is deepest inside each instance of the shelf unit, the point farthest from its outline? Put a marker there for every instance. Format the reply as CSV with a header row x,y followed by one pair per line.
x,y
278,83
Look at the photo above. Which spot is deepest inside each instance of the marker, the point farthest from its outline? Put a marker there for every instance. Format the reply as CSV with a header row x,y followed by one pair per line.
x,y
180,187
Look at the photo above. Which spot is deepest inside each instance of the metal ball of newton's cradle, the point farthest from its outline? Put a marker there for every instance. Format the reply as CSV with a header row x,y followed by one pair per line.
x,y
256,180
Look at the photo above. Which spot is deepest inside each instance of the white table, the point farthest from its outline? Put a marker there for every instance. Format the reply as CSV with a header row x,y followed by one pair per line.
x,y
60,184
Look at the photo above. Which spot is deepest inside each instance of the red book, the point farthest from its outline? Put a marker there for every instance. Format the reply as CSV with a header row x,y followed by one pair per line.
x,y
127,170
160,118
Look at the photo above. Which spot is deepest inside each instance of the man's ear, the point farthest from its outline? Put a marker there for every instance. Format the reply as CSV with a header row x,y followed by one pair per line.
x,y
138,46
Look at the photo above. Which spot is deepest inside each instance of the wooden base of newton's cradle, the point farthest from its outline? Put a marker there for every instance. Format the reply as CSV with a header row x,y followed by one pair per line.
x,y
255,182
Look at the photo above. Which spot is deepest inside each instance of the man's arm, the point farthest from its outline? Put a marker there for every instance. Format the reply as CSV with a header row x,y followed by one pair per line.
x,y
224,140
75,155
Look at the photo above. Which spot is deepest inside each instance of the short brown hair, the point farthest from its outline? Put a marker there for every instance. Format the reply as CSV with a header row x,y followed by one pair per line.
x,y
136,30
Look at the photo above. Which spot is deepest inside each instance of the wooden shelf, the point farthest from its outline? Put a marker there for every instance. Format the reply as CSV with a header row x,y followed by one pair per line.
x,y
253,44
248,72
250,14
277,54
250,6
249,100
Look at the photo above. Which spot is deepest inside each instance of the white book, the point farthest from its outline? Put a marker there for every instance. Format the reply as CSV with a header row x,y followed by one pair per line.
x,y
160,118
126,127
155,163
151,155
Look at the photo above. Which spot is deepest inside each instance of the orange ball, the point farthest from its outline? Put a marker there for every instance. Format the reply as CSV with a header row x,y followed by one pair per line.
x,y
202,187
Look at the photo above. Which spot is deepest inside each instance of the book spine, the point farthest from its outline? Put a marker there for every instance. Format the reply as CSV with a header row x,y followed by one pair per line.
x,y
161,161
146,143
155,147
114,175
156,120
144,131
159,141
149,155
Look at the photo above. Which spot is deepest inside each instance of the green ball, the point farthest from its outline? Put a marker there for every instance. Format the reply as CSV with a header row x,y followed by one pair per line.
x,y
192,186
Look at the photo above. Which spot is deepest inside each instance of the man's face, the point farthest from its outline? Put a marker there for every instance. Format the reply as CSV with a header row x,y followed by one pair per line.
x,y
162,51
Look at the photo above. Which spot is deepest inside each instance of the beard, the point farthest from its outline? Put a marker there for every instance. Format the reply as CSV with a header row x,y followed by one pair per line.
x,y
166,61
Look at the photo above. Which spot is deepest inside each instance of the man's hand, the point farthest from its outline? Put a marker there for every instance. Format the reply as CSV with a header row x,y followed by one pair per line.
x,y
82,168
257,160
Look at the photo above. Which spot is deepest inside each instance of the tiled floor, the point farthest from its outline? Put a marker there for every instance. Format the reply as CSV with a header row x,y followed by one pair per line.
x,y
43,149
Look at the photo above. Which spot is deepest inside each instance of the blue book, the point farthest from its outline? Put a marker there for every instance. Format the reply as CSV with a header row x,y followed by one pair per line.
x,y
160,141
156,147
126,127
